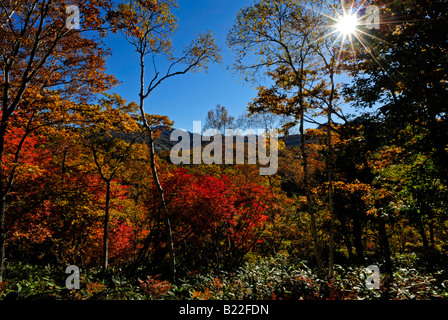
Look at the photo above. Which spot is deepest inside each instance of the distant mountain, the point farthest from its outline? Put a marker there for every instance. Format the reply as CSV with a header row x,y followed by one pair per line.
x,y
291,140
163,142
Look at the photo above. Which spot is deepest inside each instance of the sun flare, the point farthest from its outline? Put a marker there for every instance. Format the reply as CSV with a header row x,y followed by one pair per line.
x,y
347,24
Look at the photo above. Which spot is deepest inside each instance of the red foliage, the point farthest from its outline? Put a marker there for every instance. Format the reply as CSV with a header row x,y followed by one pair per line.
x,y
60,203
24,162
215,212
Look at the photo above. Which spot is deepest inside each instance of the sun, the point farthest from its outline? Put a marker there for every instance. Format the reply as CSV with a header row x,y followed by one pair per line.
x,y
347,28
347,24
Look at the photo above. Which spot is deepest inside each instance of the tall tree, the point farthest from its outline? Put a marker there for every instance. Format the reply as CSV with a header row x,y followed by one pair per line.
x,y
40,53
285,37
405,71
405,75
273,31
327,94
148,25
112,117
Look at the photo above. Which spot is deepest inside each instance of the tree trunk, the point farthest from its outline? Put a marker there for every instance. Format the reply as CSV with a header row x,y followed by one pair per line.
x,y
357,238
3,193
422,232
431,233
155,175
330,197
106,228
313,227
2,237
330,177
168,230
384,242
63,167
345,229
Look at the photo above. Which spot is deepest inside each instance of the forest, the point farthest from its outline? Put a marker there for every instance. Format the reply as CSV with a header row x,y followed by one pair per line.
x,y
357,90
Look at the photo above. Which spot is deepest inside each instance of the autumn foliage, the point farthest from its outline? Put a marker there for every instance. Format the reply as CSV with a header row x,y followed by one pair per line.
x,y
215,218
83,181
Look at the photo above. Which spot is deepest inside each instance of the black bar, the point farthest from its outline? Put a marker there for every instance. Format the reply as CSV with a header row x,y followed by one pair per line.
x,y
179,309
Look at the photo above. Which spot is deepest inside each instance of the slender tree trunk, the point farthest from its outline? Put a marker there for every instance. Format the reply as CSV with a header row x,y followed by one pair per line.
x,y
313,227
160,192
2,237
106,228
330,174
384,242
345,229
357,238
422,232
168,229
3,193
330,195
63,167
431,233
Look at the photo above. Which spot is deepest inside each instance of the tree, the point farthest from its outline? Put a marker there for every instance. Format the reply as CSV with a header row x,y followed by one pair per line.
x,y
266,121
219,120
274,32
38,54
290,41
327,94
404,72
27,201
148,26
113,116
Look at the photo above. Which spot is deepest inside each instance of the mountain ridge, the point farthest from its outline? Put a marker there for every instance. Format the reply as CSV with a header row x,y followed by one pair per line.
x,y
164,143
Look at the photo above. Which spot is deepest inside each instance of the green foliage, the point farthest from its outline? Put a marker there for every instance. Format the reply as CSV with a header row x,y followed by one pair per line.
x,y
37,282
30,281
278,278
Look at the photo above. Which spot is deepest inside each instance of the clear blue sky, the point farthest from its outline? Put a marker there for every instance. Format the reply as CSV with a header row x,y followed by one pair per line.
x,y
187,98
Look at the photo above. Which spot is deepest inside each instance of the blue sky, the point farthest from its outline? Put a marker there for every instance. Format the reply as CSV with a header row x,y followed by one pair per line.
x,y
187,98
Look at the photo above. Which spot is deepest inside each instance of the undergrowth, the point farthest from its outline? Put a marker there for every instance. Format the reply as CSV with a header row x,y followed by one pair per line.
x,y
275,278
